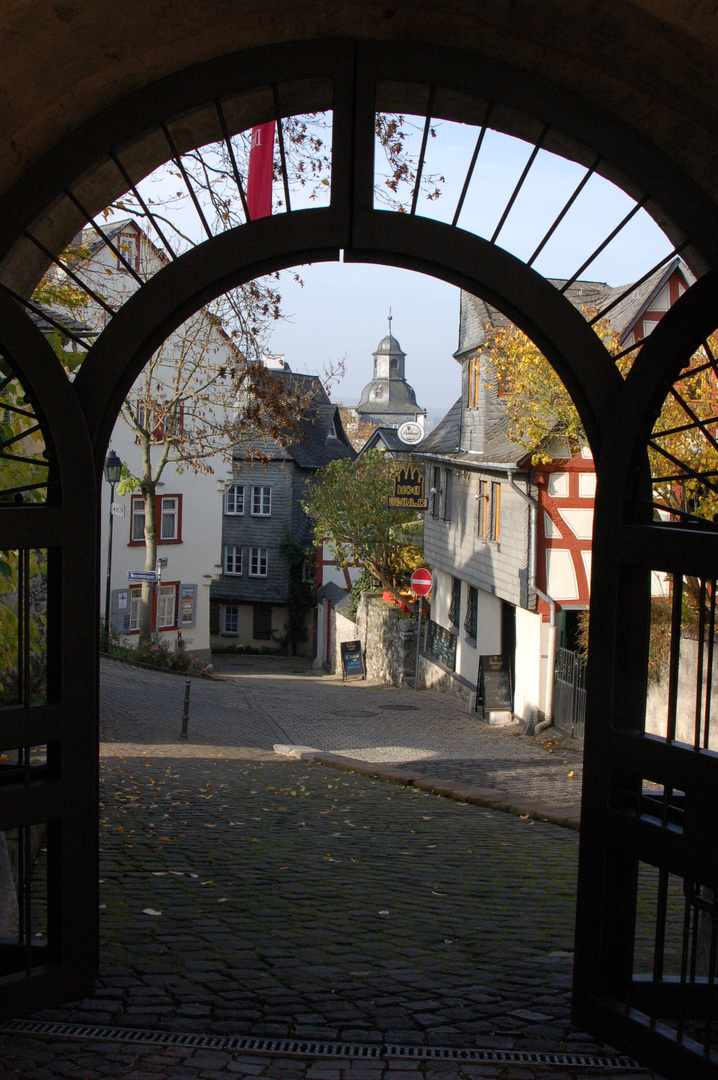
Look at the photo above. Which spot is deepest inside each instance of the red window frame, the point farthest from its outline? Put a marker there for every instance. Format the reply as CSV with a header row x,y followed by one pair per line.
x,y
153,610
158,516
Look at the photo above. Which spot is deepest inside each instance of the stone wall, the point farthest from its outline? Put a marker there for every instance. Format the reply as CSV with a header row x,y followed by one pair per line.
x,y
387,634
433,675
389,639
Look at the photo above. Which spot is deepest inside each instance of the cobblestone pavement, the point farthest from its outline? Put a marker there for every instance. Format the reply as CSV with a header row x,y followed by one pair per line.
x,y
429,732
249,894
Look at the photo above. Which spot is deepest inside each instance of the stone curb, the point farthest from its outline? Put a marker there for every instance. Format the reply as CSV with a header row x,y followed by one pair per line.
x,y
567,817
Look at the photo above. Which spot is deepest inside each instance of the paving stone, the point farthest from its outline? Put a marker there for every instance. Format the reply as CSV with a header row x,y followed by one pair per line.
x,y
298,947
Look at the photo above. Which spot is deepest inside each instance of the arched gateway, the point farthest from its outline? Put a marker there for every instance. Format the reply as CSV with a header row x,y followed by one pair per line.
x,y
662,844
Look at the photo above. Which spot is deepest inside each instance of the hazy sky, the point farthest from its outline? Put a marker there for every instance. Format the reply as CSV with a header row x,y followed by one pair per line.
x,y
341,311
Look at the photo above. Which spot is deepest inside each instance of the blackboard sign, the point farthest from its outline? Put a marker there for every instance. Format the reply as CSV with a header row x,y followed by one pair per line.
x,y
495,691
352,660
441,643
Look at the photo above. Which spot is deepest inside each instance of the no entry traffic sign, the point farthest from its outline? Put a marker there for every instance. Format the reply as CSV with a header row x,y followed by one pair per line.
x,y
421,582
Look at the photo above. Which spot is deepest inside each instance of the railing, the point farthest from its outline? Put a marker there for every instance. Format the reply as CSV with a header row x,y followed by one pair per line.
x,y
569,707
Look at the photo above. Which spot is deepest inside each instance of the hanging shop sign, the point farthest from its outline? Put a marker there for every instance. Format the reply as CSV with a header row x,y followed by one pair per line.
x,y
409,490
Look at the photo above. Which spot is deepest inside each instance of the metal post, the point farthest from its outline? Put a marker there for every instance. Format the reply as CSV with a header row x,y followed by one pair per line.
x,y
185,711
418,645
109,571
158,589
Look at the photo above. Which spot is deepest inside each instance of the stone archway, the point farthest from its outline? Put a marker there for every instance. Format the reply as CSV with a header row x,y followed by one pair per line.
x,y
44,210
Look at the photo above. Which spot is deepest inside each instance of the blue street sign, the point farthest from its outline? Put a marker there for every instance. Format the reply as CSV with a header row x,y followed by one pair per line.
x,y
142,575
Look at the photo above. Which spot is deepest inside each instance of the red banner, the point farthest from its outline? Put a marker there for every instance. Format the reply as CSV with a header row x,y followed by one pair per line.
x,y
259,181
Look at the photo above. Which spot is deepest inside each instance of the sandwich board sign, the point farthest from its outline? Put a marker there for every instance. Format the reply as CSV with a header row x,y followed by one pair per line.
x,y
352,660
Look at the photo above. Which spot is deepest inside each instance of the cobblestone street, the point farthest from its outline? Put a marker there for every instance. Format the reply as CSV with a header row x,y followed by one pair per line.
x,y
250,894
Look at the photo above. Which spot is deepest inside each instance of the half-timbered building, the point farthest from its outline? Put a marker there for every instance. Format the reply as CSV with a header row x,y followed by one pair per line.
x,y
510,543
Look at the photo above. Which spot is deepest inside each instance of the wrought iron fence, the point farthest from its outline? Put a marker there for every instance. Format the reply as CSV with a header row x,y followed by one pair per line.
x,y
569,706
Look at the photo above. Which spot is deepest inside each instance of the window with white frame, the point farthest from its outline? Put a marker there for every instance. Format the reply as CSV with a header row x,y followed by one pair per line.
x,y
232,559
168,512
138,519
261,501
167,607
135,598
169,517
128,243
230,619
234,499
258,562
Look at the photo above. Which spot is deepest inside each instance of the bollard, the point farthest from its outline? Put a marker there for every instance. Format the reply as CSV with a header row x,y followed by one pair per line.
x,y
185,711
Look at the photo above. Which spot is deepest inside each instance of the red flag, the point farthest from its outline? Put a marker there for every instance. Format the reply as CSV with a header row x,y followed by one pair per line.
x,y
259,181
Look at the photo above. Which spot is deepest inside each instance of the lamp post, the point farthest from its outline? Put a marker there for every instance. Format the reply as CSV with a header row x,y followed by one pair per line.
x,y
113,471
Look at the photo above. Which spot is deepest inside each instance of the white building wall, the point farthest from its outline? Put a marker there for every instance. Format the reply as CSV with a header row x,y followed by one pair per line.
x,y
440,596
528,665
197,559
194,561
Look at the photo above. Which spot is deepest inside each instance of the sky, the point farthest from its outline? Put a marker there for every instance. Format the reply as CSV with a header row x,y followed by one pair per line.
x,y
340,311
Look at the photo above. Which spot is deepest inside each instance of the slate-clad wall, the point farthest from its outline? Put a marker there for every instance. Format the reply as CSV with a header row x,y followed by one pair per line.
x,y
269,532
454,546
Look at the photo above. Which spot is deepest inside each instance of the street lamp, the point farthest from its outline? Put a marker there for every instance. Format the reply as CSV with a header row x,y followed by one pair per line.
x,y
113,471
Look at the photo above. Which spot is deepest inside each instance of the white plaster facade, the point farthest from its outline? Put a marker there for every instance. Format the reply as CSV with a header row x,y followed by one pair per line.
x,y
189,504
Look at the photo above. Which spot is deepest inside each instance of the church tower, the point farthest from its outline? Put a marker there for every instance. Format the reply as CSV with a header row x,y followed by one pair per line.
x,y
388,400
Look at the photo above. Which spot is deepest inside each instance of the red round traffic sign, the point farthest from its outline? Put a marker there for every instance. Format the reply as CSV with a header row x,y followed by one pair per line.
x,y
421,582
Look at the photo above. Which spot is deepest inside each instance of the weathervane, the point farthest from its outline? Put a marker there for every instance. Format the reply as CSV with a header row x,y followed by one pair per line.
x,y
389,322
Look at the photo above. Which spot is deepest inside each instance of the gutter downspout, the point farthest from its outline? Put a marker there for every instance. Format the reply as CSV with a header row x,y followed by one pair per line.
x,y
533,556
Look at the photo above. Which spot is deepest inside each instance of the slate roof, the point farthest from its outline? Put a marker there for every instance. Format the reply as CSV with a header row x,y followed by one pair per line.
x,y
499,451
314,445
41,314
332,592
400,398
389,436
476,315
477,319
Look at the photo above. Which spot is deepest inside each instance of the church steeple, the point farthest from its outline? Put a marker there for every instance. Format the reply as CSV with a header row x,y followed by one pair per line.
x,y
389,357
388,400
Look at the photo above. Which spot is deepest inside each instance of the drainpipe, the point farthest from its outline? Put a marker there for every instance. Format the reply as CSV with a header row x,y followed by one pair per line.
x,y
533,556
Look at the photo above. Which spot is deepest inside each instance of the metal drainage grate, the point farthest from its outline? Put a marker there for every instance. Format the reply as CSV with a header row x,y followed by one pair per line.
x,y
307,1048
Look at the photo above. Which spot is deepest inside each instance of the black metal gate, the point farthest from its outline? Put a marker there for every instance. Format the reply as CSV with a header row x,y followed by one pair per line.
x,y
650,822
48,634
569,703
647,933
